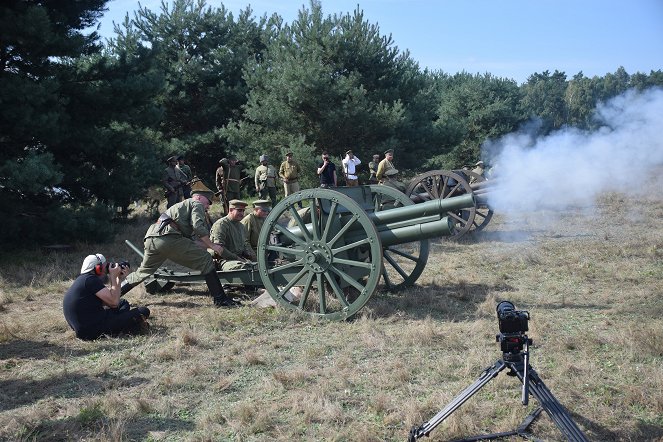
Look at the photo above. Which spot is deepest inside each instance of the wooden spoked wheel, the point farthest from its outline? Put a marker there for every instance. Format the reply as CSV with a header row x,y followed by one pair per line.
x,y
327,268
402,263
484,212
442,184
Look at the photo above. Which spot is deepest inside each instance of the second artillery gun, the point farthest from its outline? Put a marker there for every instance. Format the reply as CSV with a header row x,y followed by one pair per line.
x,y
329,262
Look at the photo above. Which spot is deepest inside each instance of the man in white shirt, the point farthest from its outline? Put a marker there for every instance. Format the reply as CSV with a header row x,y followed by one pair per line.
x,y
350,163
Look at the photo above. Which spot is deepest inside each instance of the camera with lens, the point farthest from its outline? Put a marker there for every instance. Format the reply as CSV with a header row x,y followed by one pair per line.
x,y
513,325
122,264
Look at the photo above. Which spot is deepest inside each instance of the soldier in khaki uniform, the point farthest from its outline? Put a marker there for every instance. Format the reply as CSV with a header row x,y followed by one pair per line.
x,y
289,173
478,169
185,170
385,165
265,180
172,237
230,232
173,180
233,179
373,169
253,222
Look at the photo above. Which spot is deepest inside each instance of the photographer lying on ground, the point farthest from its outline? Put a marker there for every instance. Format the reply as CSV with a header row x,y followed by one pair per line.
x,y
92,309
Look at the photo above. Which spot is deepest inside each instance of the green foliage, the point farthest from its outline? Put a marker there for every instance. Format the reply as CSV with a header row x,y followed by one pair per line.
x,y
544,98
333,82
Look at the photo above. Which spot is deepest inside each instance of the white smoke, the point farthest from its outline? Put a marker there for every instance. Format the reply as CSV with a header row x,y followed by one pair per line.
x,y
571,167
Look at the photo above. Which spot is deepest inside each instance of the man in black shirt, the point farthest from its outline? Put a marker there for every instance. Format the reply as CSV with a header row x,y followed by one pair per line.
x,y
326,171
92,309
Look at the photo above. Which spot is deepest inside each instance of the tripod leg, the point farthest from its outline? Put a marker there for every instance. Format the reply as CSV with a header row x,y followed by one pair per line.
x,y
484,378
555,410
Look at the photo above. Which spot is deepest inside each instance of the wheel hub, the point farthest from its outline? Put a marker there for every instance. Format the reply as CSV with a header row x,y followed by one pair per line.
x,y
318,256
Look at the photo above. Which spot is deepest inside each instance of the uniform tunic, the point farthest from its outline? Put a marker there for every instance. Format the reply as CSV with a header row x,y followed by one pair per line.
x,y
290,171
185,170
383,167
233,182
373,169
173,179
236,246
252,224
176,244
265,181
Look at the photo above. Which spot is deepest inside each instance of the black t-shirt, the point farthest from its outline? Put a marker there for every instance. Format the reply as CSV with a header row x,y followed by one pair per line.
x,y
327,175
82,308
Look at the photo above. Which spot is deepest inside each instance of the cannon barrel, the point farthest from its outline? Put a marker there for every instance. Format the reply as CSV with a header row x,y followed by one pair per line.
x,y
483,184
403,224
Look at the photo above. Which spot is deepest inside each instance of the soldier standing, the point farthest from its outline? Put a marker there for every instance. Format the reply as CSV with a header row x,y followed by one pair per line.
x,y
350,163
188,176
289,173
233,179
385,165
478,169
265,180
173,180
171,237
373,169
220,178
230,232
253,222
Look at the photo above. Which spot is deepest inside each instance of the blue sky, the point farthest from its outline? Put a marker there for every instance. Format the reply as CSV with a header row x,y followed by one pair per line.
x,y
508,38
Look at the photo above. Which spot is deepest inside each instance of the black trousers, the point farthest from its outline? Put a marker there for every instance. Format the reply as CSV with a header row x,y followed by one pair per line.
x,y
112,322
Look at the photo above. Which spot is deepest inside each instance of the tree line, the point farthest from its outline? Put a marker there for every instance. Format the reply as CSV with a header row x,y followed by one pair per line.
x,y
85,125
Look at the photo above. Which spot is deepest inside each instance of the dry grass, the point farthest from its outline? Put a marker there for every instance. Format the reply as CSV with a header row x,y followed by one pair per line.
x,y
592,284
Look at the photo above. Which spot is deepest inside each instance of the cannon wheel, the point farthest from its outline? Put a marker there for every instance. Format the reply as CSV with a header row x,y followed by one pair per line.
x,y
323,262
484,213
404,263
442,184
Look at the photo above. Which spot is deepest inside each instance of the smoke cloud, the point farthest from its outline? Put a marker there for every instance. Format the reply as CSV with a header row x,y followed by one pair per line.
x,y
571,167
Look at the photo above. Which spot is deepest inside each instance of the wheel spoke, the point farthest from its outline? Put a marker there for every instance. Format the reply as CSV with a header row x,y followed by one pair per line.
x,y
337,290
350,262
396,267
306,290
403,254
289,265
299,241
292,282
350,246
284,250
315,217
300,222
347,278
385,275
330,218
322,294
342,231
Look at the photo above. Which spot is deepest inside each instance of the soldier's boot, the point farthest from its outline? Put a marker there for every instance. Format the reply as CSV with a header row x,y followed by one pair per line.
x,y
125,287
217,292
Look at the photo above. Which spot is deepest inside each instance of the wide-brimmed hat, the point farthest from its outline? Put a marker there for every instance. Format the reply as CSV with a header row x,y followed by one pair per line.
x,y
389,151
201,189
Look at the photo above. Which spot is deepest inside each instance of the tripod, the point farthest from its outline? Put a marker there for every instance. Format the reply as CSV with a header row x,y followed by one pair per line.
x,y
518,364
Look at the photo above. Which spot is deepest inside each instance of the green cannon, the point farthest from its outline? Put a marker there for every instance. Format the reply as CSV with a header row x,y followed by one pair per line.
x,y
443,184
327,258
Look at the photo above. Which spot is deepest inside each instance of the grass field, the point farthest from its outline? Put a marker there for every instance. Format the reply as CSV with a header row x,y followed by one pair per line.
x,y
592,280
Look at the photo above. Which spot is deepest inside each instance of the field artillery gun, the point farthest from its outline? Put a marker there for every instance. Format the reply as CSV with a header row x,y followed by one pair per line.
x,y
338,247
443,184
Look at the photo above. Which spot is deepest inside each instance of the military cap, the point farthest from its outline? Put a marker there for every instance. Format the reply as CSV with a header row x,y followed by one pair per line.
x,y
232,158
389,151
237,204
265,205
348,152
173,158
263,158
376,156
201,189
391,172
288,154
180,157
223,161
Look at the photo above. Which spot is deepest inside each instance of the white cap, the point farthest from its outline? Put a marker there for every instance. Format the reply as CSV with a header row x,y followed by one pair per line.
x,y
92,260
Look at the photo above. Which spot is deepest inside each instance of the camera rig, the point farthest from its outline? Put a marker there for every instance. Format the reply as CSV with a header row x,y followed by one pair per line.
x,y
514,343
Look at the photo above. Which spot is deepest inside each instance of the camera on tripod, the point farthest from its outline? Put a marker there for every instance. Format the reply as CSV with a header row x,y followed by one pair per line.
x,y
513,324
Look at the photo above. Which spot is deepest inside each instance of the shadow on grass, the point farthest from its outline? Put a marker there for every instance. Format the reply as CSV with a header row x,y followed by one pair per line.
x,y
27,349
455,302
137,428
16,393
